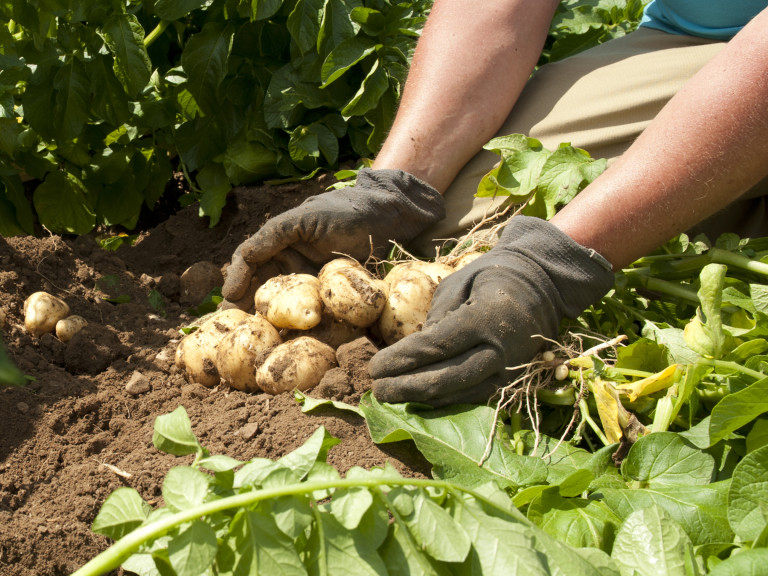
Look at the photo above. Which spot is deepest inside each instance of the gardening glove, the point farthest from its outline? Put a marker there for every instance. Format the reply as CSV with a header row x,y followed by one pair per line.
x,y
491,315
383,205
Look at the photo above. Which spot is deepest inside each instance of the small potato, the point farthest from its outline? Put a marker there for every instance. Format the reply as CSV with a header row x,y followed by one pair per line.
x,y
435,270
465,259
198,280
410,297
296,364
243,350
69,326
290,301
42,311
196,353
351,293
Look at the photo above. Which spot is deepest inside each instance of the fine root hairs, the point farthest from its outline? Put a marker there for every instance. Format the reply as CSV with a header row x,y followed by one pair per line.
x,y
539,373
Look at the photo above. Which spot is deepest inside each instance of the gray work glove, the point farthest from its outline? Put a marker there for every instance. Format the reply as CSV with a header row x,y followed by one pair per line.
x,y
383,205
484,317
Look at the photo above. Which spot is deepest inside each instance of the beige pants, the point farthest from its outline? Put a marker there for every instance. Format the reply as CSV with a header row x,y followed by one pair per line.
x,y
599,100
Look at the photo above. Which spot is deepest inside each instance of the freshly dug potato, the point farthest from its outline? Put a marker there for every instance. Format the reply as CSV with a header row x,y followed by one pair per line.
x,y
198,280
296,364
351,293
241,352
410,297
465,259
196,353
330,331
69,326
42,311
290,301
435,270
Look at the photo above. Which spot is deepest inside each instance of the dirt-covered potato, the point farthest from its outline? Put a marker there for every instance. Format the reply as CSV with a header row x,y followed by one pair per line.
x,y
435,270
196,353
351,293
42,311
69,326
241,352
329,331
410,297
290,301
296,364
198,280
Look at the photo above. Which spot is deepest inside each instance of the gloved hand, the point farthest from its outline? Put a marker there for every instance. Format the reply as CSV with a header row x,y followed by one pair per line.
x,y
383,205
484,317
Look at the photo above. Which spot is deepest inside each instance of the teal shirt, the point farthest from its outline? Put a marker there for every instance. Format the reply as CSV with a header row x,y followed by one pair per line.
x,y
715,19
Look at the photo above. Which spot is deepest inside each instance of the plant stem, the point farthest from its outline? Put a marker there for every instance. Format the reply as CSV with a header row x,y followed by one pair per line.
x,y
121,550
592,424
720,256
640,278
159,29
730,365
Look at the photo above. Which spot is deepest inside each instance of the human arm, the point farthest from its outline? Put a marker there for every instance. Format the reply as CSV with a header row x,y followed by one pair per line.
x,y
706,147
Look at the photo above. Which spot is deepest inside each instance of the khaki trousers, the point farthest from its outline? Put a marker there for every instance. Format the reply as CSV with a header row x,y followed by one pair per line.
x,y
599,100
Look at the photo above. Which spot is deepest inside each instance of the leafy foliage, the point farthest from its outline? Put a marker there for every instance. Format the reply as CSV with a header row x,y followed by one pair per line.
x,y
98,111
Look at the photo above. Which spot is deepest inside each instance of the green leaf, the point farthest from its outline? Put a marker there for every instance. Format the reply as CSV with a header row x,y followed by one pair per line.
x,y
213,181
10,375
62,205
748,495
350,505
666,459
738,409
122,512
73,98
371,91
334,550
175,9
205,61
700,510
193,550
17,205
434,531
745,563
173,434
336,25
564,174
263,9
453,440
403,555
576,521
304,23
184,488
110,101
247,162
262,548
650,543
315,449
344,56
124,36
704,333
758,435
308,403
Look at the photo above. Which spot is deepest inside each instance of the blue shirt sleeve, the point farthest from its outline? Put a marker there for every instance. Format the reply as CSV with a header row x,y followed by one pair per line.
x,y
715,19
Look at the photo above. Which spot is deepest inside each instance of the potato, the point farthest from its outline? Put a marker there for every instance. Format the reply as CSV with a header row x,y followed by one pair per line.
x,y
42,311
330,331
290,301
351,293
241,352
197,281
69,326
435,270
465,259
296,364
410,297
196,353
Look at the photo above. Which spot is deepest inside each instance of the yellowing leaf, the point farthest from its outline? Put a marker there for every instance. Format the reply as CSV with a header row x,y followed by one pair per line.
x,y
608,410
659,381
582,362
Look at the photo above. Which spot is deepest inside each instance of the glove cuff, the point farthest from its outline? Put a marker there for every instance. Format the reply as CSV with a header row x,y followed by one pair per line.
x,y
416,204
580,275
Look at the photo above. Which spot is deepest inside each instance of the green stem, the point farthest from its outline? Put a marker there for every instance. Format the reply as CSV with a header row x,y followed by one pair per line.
x,y
159,29
720,256
639,278
730,365
592,424
121,550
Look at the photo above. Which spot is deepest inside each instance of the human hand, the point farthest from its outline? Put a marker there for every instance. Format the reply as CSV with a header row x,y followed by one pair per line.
x,y
487,317
383,205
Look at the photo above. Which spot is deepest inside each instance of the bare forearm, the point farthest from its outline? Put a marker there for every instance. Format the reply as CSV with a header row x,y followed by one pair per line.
x,y
708,146
470,65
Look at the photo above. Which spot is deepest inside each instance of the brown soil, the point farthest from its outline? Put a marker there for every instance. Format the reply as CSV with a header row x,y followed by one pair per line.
x,y
74,434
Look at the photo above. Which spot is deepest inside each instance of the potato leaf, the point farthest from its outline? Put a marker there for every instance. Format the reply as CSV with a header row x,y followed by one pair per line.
x,y
748,495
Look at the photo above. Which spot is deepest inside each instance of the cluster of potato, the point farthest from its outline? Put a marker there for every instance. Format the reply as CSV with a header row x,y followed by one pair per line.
x,y
45,313
299,321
